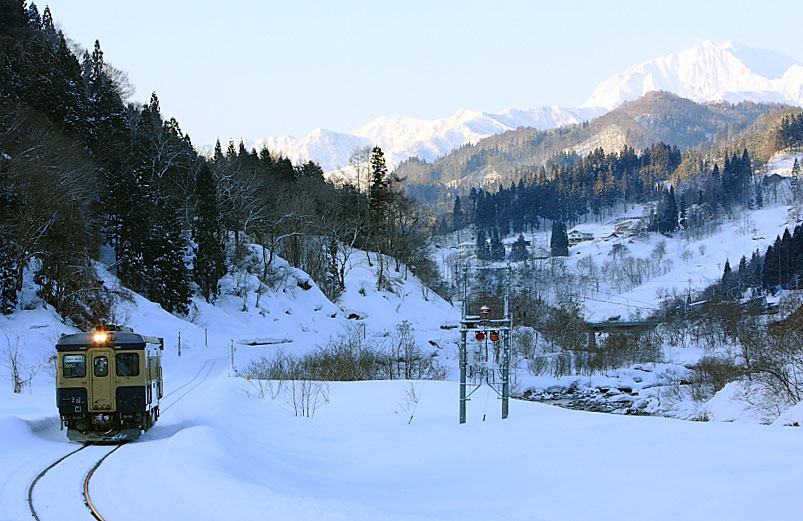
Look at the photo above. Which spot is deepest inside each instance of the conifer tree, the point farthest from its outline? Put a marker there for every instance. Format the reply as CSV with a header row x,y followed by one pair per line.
x,y
14,16
167,274
482,250
518,251
8,264
771,274
379,200
559,242
497,249
209,264
759,187
379,187
457,214
728,282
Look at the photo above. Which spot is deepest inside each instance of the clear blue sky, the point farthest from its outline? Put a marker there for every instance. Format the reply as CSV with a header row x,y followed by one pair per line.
x,y
255,68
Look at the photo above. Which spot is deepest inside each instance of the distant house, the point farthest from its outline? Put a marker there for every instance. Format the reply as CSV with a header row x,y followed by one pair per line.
x,y
577,236
773,179
623,227
467,248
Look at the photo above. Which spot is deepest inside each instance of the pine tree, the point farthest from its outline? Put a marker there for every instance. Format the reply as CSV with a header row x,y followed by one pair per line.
x,y
770,277
457,214
682,211
759,188
518,251
728,282
742,274
497,248
671,218
785,258
482,250
14,16
218,157
8,279
559,242
167,274
8,264
379,199
209,264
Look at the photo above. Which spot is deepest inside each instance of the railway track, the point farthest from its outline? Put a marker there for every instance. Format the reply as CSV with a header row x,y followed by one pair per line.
x,y
43,510
190,386
63,470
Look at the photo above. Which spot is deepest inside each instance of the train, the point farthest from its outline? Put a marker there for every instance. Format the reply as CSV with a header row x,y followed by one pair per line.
x,y
108,384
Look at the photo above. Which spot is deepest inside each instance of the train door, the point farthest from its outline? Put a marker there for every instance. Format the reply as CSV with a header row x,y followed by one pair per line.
x,y
101,386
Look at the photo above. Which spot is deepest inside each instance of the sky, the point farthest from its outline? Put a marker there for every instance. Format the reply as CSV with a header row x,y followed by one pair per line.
x,y
249,69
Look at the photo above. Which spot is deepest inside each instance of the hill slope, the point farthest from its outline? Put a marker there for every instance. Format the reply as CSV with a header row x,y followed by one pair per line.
x,y
656,117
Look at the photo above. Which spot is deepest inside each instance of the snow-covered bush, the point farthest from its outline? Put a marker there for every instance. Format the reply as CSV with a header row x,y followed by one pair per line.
x,y
352,356
13,360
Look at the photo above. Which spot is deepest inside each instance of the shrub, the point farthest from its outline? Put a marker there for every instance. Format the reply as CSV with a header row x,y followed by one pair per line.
x,y
351,357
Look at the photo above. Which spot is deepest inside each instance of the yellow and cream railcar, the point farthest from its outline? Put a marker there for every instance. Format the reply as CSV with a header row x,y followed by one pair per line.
x,y
108,384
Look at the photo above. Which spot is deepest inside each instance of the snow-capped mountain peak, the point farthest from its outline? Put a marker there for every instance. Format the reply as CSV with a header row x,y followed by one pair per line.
x,y
707,72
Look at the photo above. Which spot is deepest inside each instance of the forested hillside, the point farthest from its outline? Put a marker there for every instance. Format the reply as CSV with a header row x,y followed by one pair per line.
x,y
658,117
87,177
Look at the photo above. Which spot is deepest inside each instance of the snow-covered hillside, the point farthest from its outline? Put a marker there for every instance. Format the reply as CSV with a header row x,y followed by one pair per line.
x,y
687,263
708,72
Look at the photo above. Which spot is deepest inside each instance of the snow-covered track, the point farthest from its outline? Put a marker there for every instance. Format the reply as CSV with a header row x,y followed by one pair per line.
x,y
41,475
193,383
58,499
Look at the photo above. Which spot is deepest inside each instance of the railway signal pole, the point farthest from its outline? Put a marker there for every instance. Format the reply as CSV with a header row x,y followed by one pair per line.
x,y
485,317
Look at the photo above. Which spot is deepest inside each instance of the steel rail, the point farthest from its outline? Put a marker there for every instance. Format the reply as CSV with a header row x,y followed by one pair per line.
x,y
95,467
41,475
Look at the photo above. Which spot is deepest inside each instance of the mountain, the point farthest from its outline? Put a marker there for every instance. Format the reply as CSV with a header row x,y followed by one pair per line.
x,y
708,72
401,137
656,117
330,149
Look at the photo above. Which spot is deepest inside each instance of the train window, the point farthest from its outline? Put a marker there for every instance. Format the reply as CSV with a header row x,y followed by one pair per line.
x,y
74,366
101,366
127,364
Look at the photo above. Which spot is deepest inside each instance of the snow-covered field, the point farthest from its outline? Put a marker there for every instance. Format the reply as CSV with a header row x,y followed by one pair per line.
x,y
218,454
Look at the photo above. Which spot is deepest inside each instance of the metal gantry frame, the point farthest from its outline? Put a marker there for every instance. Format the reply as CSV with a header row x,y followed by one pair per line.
x,y
485,324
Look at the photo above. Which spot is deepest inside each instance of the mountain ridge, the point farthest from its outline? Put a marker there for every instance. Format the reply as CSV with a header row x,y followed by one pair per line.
x,y
706,72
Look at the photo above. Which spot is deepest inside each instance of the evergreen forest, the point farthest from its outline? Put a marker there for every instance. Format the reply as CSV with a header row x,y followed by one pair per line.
x,y
89,179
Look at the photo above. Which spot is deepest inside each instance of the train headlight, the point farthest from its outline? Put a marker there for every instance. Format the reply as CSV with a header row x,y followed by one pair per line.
x,y
99,337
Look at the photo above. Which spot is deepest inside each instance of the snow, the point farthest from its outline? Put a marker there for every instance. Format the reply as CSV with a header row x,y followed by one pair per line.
x,y
708,72
689,264
731,404
219,453
782,162
402,137
373,451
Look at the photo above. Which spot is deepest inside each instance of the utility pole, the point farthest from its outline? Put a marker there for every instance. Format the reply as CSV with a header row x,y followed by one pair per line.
x,y
462,362
231,361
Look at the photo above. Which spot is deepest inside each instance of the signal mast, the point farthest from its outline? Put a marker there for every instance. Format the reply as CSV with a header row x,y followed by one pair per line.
x,y
486,327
